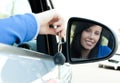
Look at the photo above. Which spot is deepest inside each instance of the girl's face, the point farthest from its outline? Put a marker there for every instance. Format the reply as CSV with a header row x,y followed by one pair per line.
x,y
90,37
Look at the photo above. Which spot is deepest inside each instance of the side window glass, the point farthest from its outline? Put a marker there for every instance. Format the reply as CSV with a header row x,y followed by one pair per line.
x,y
12,7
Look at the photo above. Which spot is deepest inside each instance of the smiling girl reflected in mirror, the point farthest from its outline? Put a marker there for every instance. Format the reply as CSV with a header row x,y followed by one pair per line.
x,y
86,42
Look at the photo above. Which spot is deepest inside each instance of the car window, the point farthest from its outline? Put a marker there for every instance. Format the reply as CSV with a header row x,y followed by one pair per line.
x,y
12,7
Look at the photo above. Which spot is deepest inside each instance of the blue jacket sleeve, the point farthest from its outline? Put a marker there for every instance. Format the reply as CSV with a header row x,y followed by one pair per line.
x,y
18,29
103,51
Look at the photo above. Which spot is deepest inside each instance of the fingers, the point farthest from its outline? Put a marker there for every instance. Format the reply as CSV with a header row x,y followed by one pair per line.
x,y
60,26
60,31
51,18
52,31
57,31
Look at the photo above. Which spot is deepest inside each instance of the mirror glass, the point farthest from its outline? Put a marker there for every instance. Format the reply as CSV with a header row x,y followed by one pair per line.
x,y
89,40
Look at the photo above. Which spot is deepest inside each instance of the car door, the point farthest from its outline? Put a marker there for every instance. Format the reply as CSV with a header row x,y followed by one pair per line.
x,y
14,68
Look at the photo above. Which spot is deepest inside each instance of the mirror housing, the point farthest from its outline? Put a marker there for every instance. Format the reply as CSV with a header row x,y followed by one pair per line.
x,y
84,48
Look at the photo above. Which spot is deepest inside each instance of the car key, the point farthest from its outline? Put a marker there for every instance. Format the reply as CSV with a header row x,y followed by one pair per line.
x,y
59,58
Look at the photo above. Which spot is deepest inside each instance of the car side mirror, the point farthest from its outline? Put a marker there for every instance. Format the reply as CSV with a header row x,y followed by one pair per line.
x,y
89,41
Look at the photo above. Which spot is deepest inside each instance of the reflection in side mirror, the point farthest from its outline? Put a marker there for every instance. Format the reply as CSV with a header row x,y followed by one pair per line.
x,y
89,41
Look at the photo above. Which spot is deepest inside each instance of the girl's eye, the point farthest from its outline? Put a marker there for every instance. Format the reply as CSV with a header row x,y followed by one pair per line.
x,y
97,33
87,30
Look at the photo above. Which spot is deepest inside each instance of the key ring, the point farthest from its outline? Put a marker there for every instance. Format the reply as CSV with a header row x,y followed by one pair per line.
x,y
59,44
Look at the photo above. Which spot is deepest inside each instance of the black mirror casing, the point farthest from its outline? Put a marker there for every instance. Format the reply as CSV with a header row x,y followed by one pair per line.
x,y
106,34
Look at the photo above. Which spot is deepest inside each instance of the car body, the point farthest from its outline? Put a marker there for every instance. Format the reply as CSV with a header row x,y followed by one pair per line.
x,y
22,68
